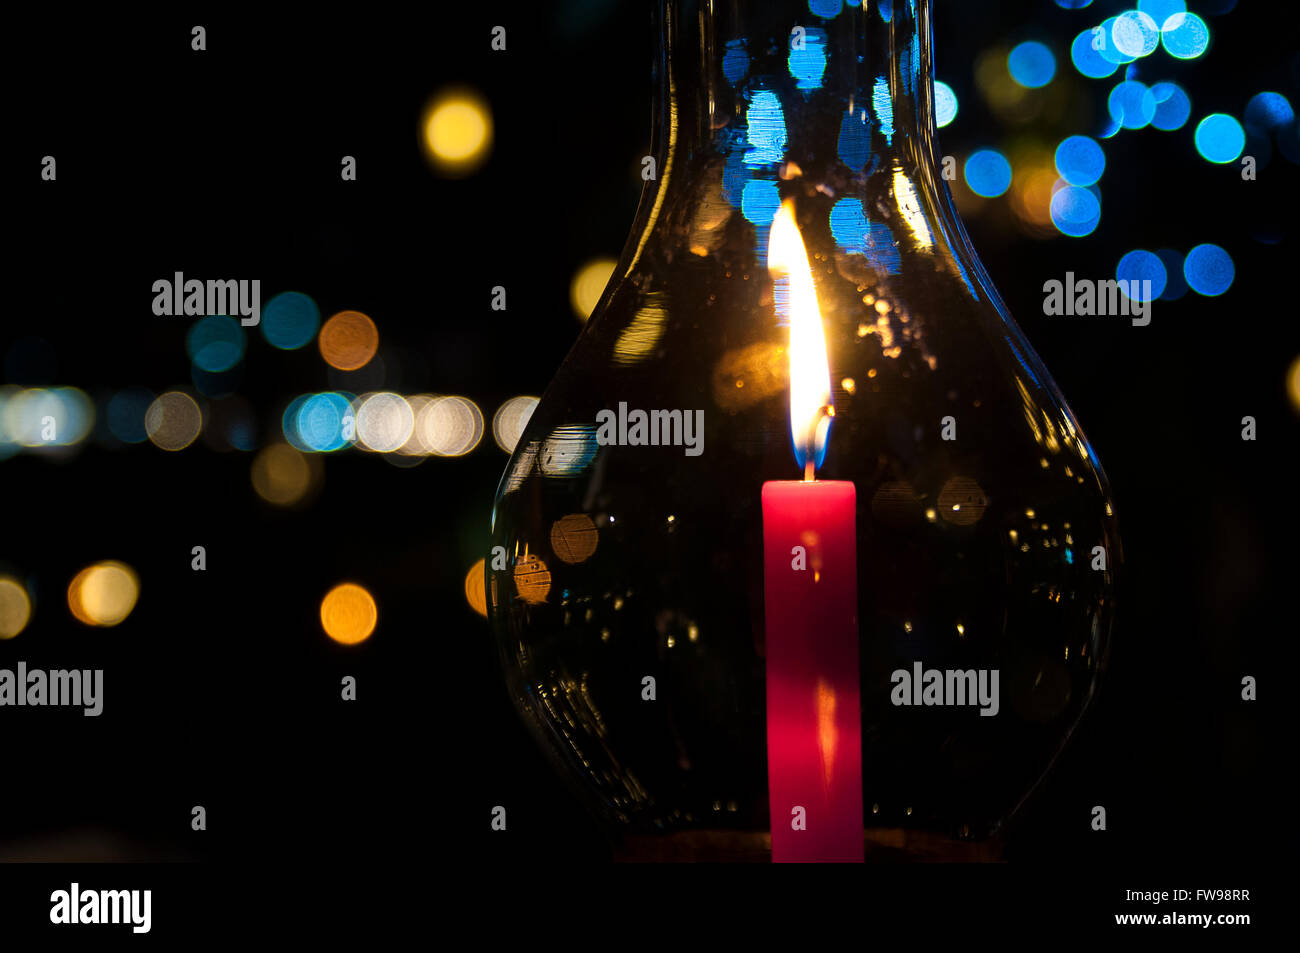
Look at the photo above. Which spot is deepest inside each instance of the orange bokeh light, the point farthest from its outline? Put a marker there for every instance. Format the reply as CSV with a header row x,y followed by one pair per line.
x,y
348,613
348,340
474,588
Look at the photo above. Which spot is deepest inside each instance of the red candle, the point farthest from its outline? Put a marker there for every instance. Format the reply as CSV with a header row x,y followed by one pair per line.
x,y
814,738
814,743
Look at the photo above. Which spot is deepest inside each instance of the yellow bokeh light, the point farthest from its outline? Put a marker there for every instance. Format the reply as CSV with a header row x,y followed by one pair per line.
x,y
458,132
281,475
574,538
15,608
173,421
103,594
348,613
348,340
588,284
475,593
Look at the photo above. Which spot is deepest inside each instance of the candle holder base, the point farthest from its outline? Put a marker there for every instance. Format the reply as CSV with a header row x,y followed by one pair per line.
x,y
885,845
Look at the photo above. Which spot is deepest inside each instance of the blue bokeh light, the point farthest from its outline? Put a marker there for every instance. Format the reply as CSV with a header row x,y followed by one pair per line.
x,y
767,135
1073,4
1088,60
760,201
1031,64
320,421
1110,50
1161,10
1132,104
1176,284
1268,111
289,423
734,173
241,434
735,62
884,107
1172,106
1220,138
1080,160
1140,265
1209,270
988,173
290,320
825,8
855,140
848,222
1185,36
808,64
856,235
215,343
945,104
1075,211
1136,33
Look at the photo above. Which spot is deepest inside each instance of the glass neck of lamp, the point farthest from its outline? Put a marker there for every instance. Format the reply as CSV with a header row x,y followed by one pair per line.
x,y
848,94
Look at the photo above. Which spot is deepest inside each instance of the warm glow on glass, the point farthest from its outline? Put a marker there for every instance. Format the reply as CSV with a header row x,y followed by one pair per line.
x,y
638,340
532,579
910,205
103,594
810,376
574,538
15,608
348,613
588,284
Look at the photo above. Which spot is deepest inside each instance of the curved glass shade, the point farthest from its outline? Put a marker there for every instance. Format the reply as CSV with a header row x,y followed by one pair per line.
x,y
980,504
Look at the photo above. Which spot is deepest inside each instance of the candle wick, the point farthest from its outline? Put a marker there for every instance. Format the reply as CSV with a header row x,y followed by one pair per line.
x,y
809,467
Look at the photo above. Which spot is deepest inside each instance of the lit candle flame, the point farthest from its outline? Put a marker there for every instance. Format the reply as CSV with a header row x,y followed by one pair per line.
x,y
810,376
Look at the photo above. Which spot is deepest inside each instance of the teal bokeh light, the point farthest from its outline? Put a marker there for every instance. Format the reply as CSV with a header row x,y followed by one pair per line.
x,y
215,343
290,320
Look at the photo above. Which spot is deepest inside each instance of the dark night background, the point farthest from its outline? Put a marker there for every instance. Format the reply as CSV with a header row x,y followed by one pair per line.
x,y
221,688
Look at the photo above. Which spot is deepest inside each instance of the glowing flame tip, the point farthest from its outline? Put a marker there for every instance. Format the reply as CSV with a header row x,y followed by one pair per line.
x,y
810,377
